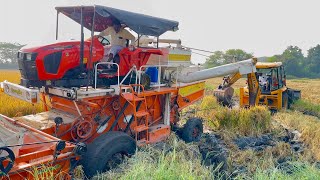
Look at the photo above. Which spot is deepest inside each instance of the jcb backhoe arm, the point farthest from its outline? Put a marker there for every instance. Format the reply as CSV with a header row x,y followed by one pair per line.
x,y
224,92
254,89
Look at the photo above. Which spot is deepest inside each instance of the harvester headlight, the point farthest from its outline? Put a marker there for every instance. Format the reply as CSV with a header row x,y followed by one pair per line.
x,y
28,57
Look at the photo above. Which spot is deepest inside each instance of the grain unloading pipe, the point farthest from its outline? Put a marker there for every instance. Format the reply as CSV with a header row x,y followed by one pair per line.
x,y
242,67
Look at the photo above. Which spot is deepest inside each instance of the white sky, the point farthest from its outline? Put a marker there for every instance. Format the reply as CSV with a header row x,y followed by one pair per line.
x,y
261,27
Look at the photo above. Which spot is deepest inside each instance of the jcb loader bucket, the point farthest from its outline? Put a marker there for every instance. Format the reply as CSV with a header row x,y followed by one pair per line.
x,y
224,96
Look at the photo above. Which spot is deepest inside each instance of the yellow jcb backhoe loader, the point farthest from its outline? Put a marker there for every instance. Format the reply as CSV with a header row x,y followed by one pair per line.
x,y
266,86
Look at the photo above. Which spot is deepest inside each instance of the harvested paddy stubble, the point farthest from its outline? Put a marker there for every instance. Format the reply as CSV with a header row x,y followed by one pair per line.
x,y
308,126
253,121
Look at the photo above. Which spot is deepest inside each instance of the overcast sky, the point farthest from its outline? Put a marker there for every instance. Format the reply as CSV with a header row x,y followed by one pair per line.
x,y
263,28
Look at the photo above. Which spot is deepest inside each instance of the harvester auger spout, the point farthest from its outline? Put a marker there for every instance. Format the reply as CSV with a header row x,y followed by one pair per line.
x,y
242,67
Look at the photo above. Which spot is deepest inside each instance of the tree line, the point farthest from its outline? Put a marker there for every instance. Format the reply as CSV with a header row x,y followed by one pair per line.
x,y
296,64
8,55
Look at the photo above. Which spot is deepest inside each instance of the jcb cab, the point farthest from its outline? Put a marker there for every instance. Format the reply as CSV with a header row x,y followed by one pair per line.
x,y
274,92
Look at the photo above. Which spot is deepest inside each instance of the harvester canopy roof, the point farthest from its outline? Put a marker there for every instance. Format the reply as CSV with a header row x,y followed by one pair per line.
x,y
105,16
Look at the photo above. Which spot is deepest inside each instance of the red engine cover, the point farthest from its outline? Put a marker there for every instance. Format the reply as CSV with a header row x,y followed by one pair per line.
x,y
69,57
54,61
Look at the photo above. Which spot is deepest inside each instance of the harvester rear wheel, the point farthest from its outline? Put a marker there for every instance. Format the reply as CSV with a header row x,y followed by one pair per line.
x,y
107,152
192,130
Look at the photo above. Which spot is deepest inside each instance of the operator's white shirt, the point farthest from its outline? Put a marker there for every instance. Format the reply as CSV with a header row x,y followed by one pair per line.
x,y
118,39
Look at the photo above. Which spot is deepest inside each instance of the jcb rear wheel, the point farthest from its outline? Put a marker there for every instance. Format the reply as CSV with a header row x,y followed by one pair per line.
x,y
107,152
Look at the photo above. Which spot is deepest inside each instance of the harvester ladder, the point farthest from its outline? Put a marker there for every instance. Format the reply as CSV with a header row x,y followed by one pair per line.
x,y
138,114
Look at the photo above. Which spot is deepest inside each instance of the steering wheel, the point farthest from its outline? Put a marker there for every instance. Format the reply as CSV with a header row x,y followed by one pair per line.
x,y
104,41
8,160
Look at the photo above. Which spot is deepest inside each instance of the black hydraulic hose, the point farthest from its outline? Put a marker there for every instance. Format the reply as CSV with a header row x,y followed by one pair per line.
x,y
119,115
132,118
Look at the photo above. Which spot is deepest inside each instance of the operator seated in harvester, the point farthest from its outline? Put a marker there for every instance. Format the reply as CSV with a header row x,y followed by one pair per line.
x,y
120,38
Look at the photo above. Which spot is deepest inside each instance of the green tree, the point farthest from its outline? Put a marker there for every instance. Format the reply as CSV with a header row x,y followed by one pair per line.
x,y
293,60
216,59
275,58
8,52
232,55
313,60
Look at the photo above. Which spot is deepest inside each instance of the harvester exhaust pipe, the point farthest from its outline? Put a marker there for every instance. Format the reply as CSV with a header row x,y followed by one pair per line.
x,y
243,67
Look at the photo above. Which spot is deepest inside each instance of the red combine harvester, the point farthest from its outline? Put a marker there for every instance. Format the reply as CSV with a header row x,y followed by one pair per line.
x,y
95,116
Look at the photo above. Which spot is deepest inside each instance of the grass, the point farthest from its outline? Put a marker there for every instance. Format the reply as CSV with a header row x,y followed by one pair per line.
x,y
309,88
252,161
308,126
298,170
253,121
47,171
307,108
11,106
176,161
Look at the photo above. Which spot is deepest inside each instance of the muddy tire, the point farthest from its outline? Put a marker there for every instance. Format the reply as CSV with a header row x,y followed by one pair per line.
x,y
107,152
192,130
285,100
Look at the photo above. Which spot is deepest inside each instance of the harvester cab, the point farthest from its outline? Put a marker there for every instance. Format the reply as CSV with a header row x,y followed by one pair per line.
x,y
274,92
74,63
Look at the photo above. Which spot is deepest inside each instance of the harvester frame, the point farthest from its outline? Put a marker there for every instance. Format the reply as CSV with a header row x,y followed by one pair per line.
x,y
104,120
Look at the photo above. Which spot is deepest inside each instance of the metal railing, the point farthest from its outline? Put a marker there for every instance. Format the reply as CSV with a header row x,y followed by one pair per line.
x,y
96,72
159,73
134,68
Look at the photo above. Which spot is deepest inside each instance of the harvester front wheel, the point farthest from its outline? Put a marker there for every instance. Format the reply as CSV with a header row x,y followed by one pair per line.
x,y
192,130
107,152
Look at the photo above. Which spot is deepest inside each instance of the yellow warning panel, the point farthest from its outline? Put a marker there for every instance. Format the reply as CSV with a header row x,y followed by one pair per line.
x,y
190,89
179,57
85,60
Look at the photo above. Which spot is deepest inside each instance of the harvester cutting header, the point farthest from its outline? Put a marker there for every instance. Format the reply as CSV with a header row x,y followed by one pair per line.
x,y
105,95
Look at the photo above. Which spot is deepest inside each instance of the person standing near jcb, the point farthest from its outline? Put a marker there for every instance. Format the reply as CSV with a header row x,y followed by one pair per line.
x,y
119,38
